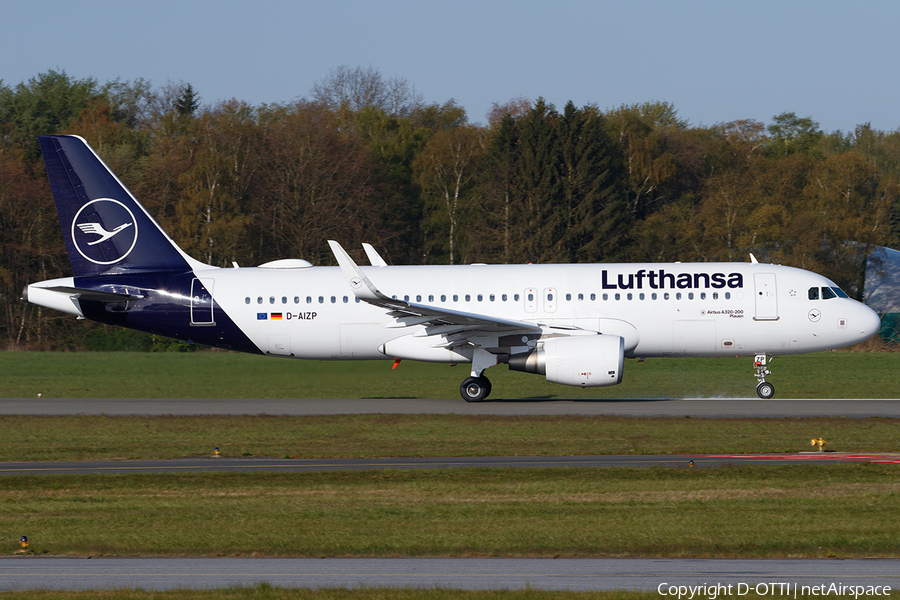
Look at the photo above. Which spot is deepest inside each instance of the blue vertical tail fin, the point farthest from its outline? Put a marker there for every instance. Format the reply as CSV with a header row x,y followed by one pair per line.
x,y
106,229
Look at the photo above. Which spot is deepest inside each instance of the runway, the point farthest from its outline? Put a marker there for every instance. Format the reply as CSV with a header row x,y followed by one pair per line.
x,y
256,465
643,407
575,574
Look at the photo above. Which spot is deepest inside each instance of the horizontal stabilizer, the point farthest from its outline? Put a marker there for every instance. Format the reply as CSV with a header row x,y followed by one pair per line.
x,y
95,295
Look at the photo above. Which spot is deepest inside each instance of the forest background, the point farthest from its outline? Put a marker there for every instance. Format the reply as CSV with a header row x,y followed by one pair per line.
x,y
365,158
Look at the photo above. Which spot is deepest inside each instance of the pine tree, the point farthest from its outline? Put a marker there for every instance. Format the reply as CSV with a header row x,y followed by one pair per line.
x,y
537,193
188,103
594,213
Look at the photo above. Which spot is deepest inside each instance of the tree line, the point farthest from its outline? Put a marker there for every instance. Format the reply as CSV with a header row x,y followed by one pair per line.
x,y
365,158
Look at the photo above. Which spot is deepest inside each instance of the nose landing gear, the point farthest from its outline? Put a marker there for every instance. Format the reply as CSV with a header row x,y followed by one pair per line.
x,y
764,389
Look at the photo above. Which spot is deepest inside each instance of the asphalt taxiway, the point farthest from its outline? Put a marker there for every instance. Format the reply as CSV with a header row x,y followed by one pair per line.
x,y
642,407
661,575
251,465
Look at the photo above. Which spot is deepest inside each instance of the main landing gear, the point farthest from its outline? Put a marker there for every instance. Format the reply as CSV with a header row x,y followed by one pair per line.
x,y
475,389
764,389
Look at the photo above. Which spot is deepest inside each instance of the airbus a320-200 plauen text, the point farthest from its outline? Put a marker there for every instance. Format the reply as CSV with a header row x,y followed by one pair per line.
x,y
573,323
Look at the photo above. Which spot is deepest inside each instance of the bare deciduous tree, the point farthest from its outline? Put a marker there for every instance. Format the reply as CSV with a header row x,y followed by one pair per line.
x,y
352,89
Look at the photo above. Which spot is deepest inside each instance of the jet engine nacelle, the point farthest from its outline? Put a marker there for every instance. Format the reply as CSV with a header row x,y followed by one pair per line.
x,y
584,360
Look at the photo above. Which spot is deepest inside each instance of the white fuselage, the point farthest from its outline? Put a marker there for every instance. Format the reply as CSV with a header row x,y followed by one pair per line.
x,y
675,309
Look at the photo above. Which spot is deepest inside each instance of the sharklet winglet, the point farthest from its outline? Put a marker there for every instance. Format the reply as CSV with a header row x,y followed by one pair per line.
x,y
359,283
374,258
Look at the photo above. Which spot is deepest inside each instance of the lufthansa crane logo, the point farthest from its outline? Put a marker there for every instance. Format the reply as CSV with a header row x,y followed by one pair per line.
x,y
104,231
98,229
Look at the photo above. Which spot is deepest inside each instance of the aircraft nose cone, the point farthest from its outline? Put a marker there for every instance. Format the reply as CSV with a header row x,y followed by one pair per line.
x,y
869,322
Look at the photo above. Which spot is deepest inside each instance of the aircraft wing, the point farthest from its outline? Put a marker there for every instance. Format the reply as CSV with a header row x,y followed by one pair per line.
x,y
437,320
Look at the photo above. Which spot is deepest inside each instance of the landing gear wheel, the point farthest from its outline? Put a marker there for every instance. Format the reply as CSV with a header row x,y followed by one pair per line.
x,y
475,389
765,390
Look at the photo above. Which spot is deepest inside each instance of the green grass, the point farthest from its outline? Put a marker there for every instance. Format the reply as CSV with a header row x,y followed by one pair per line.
x,y
116,438
228,375
768,511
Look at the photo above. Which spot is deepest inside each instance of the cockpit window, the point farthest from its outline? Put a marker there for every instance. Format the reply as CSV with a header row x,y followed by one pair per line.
x,y
827,293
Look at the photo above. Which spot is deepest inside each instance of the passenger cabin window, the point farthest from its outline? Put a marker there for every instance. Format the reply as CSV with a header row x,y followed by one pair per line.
x,y
247,300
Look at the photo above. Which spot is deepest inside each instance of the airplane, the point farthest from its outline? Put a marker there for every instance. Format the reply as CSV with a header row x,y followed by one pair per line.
x,y
572,323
